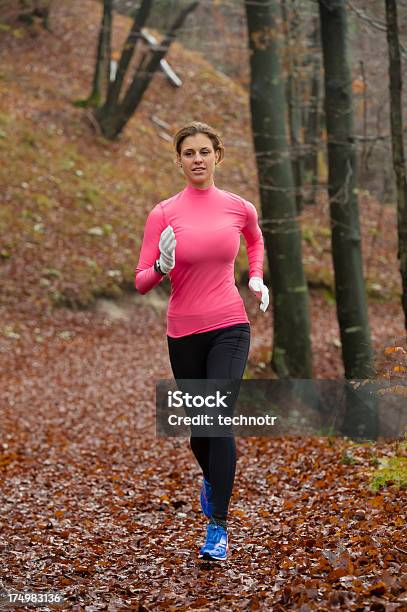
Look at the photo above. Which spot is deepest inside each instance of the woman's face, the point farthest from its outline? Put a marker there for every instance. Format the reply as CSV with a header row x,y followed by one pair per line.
x,y
198,160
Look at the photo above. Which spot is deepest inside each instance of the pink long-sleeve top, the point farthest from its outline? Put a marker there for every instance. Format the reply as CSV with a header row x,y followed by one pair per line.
x,y
207,224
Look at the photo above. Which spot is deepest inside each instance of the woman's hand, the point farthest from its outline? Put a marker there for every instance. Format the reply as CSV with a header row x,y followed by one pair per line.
x,y
259,288
167,249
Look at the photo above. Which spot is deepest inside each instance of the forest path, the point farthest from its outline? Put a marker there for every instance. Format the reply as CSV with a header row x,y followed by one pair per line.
x,y
94,505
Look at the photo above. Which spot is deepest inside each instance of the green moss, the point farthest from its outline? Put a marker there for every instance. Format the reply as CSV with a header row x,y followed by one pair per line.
x,y
6,252
347,458
66,164
379,294
5,120
393,472
93,101
323,231
52,272
329,296
320,277
30,138
110,291
92,195
308,234
44,203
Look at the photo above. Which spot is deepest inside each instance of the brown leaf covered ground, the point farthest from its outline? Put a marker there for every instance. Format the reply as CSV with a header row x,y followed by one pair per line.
x,y
92,504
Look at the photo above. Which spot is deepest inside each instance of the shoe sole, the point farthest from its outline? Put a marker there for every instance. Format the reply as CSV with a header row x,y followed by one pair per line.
x,y
207,557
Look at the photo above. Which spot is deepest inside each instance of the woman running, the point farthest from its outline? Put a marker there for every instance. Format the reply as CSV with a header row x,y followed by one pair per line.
x,y
194,237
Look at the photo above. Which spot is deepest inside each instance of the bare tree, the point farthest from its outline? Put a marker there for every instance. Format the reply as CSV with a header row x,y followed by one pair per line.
x,y
396,118
291,335
114,106
346,243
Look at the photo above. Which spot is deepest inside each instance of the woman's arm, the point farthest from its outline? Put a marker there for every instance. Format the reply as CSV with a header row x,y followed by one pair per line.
x,y
254,241
146,278
255,252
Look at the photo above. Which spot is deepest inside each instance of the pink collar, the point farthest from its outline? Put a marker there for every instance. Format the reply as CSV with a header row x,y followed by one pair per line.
x,y
194,191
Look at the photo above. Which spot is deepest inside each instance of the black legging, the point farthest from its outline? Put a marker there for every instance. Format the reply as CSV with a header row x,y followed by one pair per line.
x,y
217,354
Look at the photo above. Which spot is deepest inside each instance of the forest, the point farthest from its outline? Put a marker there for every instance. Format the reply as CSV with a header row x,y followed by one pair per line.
x,y
99,508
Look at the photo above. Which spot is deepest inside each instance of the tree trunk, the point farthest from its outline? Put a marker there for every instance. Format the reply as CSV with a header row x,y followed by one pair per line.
x,y
102,69
346,242
291,338
313,127
396,117
291,23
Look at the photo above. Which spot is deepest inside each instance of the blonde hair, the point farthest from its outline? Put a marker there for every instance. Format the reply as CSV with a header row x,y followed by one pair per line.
x,y
196,127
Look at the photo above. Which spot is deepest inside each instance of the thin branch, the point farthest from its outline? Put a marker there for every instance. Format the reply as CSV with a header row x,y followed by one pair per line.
x,y
374,23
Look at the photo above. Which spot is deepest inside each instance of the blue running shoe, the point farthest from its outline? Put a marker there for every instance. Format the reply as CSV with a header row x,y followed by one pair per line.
x,y
206,498
216,544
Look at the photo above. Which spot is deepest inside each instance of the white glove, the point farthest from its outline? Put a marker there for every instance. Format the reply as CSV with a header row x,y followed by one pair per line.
x,y
167,249
259,288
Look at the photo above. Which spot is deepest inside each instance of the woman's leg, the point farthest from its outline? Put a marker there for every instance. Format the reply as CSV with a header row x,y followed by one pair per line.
x,y
188,361
226,360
